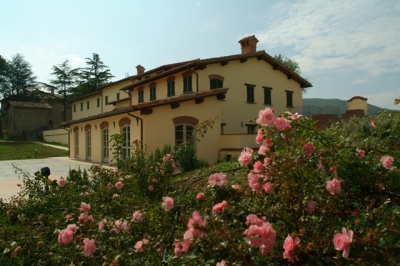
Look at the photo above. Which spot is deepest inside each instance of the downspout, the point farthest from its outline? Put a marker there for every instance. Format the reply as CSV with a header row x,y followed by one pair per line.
x,y
197,79
69,148
141,128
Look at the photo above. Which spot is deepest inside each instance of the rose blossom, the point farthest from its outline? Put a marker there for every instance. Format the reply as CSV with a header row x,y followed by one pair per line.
x,y
266,117
259,137
200,195
342,241
62,182
168,203
222,263
65,236
197,219
68,216
72,227
218,179
84,217
263,149
260,234
333,186
289,246
246,157
101,224
137,216
119,185
120,226
281,123
139,246
254,182
219,207
310,207
386,161
309,148
258,167
88,247
360,153
267,161
85,207
150,188
109,185
236,187
267,187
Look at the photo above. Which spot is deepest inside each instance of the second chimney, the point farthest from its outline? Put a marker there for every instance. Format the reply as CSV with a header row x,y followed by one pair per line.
x,y
140,69
249,44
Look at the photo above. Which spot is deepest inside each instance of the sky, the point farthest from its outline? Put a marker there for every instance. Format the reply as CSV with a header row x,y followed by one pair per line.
x,y
344,48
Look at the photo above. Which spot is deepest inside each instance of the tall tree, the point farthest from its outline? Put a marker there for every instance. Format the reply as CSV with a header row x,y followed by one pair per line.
x,y
20,77
93,76
3,75
64,82
289,63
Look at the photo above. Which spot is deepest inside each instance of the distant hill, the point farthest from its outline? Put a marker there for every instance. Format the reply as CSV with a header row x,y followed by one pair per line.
x,y
331,106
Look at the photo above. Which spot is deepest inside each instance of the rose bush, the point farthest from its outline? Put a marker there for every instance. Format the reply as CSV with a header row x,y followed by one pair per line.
x,y
305,196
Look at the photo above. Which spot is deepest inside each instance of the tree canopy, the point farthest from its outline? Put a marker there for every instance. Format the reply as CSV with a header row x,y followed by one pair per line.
x,y
289,63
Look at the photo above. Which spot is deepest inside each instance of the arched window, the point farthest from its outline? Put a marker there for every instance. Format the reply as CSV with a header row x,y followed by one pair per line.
x,y
184,133
105,140
76,133
126,135
89,144
216,81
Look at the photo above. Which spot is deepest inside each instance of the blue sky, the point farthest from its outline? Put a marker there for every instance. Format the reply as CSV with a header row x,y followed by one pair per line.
x,y
345,48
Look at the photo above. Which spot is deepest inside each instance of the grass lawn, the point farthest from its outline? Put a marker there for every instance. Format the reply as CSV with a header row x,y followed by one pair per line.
x,y
26,150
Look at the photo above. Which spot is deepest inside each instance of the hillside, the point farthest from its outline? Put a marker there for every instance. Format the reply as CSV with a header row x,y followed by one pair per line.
x,y
331,106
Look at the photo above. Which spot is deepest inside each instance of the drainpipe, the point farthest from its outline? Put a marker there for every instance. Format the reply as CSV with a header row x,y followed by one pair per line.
x,y
197,79
69,148
141,128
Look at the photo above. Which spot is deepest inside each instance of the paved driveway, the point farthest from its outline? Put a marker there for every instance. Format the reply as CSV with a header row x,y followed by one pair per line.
x,y
59,166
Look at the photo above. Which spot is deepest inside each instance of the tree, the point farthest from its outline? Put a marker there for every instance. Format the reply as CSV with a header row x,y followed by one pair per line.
x,y
3,74
289,63
93,76
20,77
64,82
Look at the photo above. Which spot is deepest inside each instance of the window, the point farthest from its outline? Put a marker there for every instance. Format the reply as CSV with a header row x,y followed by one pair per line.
x,y
126,135
216,83
117,97
81,106
152,93
267,96
88,144
187,84
87,105
140,96
77,144
74,108
289,98
105,145
250,93
98,102
171,88
251,129
184,134
106,99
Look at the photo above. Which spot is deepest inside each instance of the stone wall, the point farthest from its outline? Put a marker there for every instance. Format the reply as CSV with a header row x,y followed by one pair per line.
x,y
25,119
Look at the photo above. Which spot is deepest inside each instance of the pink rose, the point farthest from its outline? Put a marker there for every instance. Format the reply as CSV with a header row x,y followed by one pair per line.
x,y
386,161
333,186
110,186
219,207
236,187
190,233
289,246
168,203
84,217
266,117
120,226
115,171
222,263
197,219
309,148
217,179
137,216
85,207
267,187
258,167
151,188
101,224
65,236
62,182
88,247
360,153
342,241
267,161
68,216
281,123
373,124
200,195
139,246
119,185
260,234
97,166
310,207
246,157
259,137
254,182
263,149
72,227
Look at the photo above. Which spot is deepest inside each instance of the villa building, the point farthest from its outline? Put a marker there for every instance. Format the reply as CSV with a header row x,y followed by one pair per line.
x,y
164,105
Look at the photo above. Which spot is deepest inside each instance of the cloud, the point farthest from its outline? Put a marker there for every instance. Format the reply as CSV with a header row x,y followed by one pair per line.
x,y
76,61
359,35
384,99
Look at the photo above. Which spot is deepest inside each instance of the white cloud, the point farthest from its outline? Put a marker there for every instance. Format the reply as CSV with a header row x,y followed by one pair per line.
x,y
359,35
384,99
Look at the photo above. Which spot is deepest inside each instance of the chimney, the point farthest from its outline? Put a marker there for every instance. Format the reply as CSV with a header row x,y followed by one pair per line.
x,y
140,69
248,44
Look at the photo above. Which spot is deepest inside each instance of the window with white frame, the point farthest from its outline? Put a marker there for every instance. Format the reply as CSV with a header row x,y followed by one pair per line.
x,y
126,135
105,141
89,144
184,133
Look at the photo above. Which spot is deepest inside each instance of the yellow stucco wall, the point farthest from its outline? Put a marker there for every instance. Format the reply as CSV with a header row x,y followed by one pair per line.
x,y
358,102
158,129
